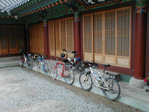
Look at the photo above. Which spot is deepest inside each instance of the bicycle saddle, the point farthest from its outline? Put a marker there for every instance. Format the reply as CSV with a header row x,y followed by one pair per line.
x,y
74,52
106,65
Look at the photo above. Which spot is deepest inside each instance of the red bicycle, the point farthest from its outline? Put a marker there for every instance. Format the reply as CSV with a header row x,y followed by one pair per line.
x,y
65,71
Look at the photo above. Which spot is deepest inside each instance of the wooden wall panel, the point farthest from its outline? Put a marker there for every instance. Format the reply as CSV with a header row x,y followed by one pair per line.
x,y
61,36
12,39
51,38
37,38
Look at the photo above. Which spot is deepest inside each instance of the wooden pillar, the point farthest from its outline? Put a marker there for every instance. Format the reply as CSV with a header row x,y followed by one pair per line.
x,y
140,36
27,40
77,39
45,37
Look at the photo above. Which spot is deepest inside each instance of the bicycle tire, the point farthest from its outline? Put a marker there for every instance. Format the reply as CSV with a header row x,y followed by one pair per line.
x,y
85,77
38,66
30,63
55,73
47,69
109,93
79,67
22,61
69,79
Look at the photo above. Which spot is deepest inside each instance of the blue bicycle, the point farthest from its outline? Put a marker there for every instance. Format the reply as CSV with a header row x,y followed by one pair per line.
x,y
42,65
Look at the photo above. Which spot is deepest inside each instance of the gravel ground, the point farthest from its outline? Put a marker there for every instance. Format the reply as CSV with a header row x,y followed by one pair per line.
x,y
23,90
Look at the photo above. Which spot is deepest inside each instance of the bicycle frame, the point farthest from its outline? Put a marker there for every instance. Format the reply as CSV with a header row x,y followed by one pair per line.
x,y
62,73
41,60
102,79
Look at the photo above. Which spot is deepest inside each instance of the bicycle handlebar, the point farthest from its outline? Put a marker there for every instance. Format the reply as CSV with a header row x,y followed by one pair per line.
x,y
92,64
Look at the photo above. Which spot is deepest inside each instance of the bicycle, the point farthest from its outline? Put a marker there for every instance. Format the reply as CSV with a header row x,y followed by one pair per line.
x,y
42,65
77,64
64,70
109,86
26,58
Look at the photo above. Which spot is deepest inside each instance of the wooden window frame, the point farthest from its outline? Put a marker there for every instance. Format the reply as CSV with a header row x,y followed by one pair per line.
x,y
114,60
87,56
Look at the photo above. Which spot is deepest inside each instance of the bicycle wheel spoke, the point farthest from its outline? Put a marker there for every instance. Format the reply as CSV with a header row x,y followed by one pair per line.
x,y
69,78
85,81
112,92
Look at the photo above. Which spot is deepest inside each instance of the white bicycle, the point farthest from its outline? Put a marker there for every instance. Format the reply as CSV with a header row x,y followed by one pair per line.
x,y
109,86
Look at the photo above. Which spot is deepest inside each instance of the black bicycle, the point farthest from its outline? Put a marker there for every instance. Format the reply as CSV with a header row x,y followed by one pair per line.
x,y
77,65
26,58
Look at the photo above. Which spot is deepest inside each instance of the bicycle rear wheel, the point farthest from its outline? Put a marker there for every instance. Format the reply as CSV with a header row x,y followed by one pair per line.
x,y
85,81
30,63
69,79
54,74
38,67
113,91
47,69
22,60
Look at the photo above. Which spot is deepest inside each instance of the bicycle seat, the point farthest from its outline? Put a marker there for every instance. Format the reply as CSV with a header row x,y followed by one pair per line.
x,y
74,52
106,65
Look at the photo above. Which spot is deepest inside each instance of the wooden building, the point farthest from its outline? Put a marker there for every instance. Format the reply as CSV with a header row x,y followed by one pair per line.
x,y
106,31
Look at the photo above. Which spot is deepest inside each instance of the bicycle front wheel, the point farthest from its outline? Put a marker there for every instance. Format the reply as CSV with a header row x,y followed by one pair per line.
x,y
22,60
69,79
85,81
30,63
47,69
112,92
38,67
54,74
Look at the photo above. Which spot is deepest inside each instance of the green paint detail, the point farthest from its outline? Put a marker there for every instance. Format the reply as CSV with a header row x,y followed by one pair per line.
x,y
141,6
47,3
122,1
126,1
125,78
10,21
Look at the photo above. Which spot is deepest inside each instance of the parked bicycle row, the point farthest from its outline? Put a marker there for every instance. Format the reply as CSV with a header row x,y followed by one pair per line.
x,y
67,67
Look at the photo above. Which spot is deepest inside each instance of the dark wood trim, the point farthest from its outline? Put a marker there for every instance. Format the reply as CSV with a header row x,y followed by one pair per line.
x,y
45,30
9,55
77,39
140,45
147,44
62,17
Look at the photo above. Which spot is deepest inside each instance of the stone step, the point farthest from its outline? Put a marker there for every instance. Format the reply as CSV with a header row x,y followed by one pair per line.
x,y
10,63
8,59
114,75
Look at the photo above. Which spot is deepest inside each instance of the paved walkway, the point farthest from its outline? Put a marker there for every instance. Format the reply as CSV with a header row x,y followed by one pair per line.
x,y
134,97
23,90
